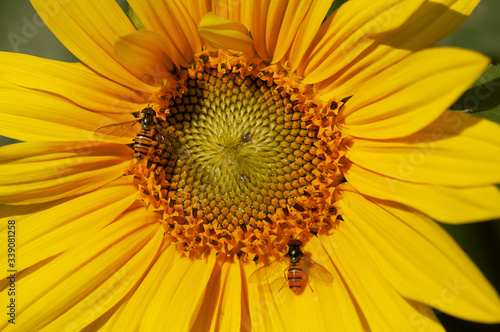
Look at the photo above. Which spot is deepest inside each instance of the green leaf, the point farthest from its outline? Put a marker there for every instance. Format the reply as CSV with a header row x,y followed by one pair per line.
x,y
335,5
483,98
135,19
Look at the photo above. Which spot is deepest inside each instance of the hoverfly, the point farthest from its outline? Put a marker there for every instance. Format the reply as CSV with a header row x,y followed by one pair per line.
x,y
143,140
296,268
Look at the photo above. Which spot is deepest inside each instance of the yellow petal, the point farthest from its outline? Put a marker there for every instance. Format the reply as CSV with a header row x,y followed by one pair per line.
x,y
374,295
85,282
40,151
178,299
280,37
68,160
455,150
307,31
322,306
446,204
266,313
119,284
130,314
224,302
199,8
277,25
225,34
275,15
259,16
29,114
67,223
349,31
230,304
332,303
73,169
23,128
73,81
418,258
366,38
88,31
19,211
410,95
147,52
171,19
233,10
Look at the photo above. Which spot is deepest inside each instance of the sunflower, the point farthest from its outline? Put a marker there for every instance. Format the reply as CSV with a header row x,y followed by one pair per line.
x,y
168,180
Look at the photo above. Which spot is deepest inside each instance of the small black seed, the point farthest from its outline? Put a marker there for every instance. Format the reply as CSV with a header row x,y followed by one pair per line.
x,y
268,220
299,207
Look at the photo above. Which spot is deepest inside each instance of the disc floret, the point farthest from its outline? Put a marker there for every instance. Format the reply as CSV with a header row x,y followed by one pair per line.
x,y
262,166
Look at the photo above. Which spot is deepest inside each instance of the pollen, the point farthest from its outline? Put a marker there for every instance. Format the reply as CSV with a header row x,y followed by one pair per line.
x,y
243,159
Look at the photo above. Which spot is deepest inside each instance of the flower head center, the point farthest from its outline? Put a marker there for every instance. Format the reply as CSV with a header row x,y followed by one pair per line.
x,y
240,158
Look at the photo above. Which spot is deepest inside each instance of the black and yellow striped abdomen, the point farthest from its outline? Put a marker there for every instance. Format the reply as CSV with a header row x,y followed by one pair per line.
x,y
143,142
294,276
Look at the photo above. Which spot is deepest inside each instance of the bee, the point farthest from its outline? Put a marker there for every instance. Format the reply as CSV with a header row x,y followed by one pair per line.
x,y
144,139
296,267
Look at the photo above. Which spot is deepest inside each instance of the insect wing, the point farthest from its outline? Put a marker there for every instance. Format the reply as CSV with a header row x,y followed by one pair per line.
x,y
118,129
180,148
316,271
270,271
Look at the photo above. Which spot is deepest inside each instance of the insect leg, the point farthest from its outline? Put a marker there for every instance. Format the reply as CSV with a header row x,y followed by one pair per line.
x,y
312,290
282,285
286,279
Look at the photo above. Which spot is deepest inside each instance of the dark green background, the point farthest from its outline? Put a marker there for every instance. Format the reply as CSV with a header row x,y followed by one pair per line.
x,y
481,32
